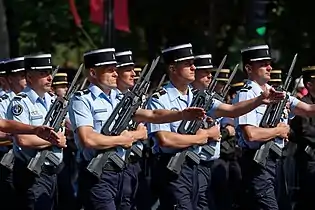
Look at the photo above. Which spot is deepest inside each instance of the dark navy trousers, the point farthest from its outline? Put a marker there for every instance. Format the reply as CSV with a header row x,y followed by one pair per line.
x,y
116,189
187,191
7,192
258,182
34,192
306,168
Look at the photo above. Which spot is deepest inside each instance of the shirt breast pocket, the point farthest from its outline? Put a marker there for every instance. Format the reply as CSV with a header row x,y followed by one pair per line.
x,y
99,119
260,111
175,125
37,119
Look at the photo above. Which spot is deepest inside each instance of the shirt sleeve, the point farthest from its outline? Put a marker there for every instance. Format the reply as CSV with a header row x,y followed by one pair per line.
x,y
3,111
293,103
213,108
152,128
250,117
80,113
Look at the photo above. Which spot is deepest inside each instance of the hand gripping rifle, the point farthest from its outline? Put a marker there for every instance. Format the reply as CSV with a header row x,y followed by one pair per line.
x,y
202,99
8,158
119,121
271,118
54,118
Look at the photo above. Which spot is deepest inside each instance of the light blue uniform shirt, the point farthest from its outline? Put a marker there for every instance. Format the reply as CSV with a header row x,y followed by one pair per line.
x,y
92,107
27,107
4,103
226,121
2,92
254,117
172,99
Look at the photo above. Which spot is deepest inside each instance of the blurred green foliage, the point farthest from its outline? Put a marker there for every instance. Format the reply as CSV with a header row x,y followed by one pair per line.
x,y
212,26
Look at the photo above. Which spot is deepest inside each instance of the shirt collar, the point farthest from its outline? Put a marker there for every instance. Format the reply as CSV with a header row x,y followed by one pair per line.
x,y
97,92
11,94
33,96
173,93
120,94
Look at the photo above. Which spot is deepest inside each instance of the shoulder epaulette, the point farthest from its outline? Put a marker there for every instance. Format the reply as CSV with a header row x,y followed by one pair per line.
x,y
4,97
82,92
246,88
158,93
51,94
19,96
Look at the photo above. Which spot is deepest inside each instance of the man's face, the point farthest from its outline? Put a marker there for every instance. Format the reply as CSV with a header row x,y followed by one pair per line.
x,y
40,80
260,70
185,70
126,77
60,90
17,81
4,83
106,76
204,77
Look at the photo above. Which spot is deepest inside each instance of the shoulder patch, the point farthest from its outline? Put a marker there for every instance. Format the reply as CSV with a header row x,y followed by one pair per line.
x,y
17,109
158,93
51,94
82,92
4,97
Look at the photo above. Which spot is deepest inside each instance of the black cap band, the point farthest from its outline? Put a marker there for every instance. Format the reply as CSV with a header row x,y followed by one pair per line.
x,y
203,61
14,65
38,62
99,58
124,59
256,53
178,53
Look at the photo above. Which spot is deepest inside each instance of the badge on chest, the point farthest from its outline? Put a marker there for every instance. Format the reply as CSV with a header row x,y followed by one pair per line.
x,y
35,115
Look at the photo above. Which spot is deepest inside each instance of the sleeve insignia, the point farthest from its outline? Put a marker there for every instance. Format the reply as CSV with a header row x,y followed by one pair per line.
x,y
17,109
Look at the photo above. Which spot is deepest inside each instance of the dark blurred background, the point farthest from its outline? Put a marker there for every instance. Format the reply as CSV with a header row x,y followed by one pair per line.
x,y
146,26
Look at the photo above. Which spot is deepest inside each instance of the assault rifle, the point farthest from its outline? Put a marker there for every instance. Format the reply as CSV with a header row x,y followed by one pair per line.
x,y
119,121
8,158
54,118
271,118
202,99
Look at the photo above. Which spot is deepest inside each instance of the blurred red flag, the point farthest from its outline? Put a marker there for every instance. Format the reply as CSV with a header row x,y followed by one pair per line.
x,y
97,11
75,13
121,17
